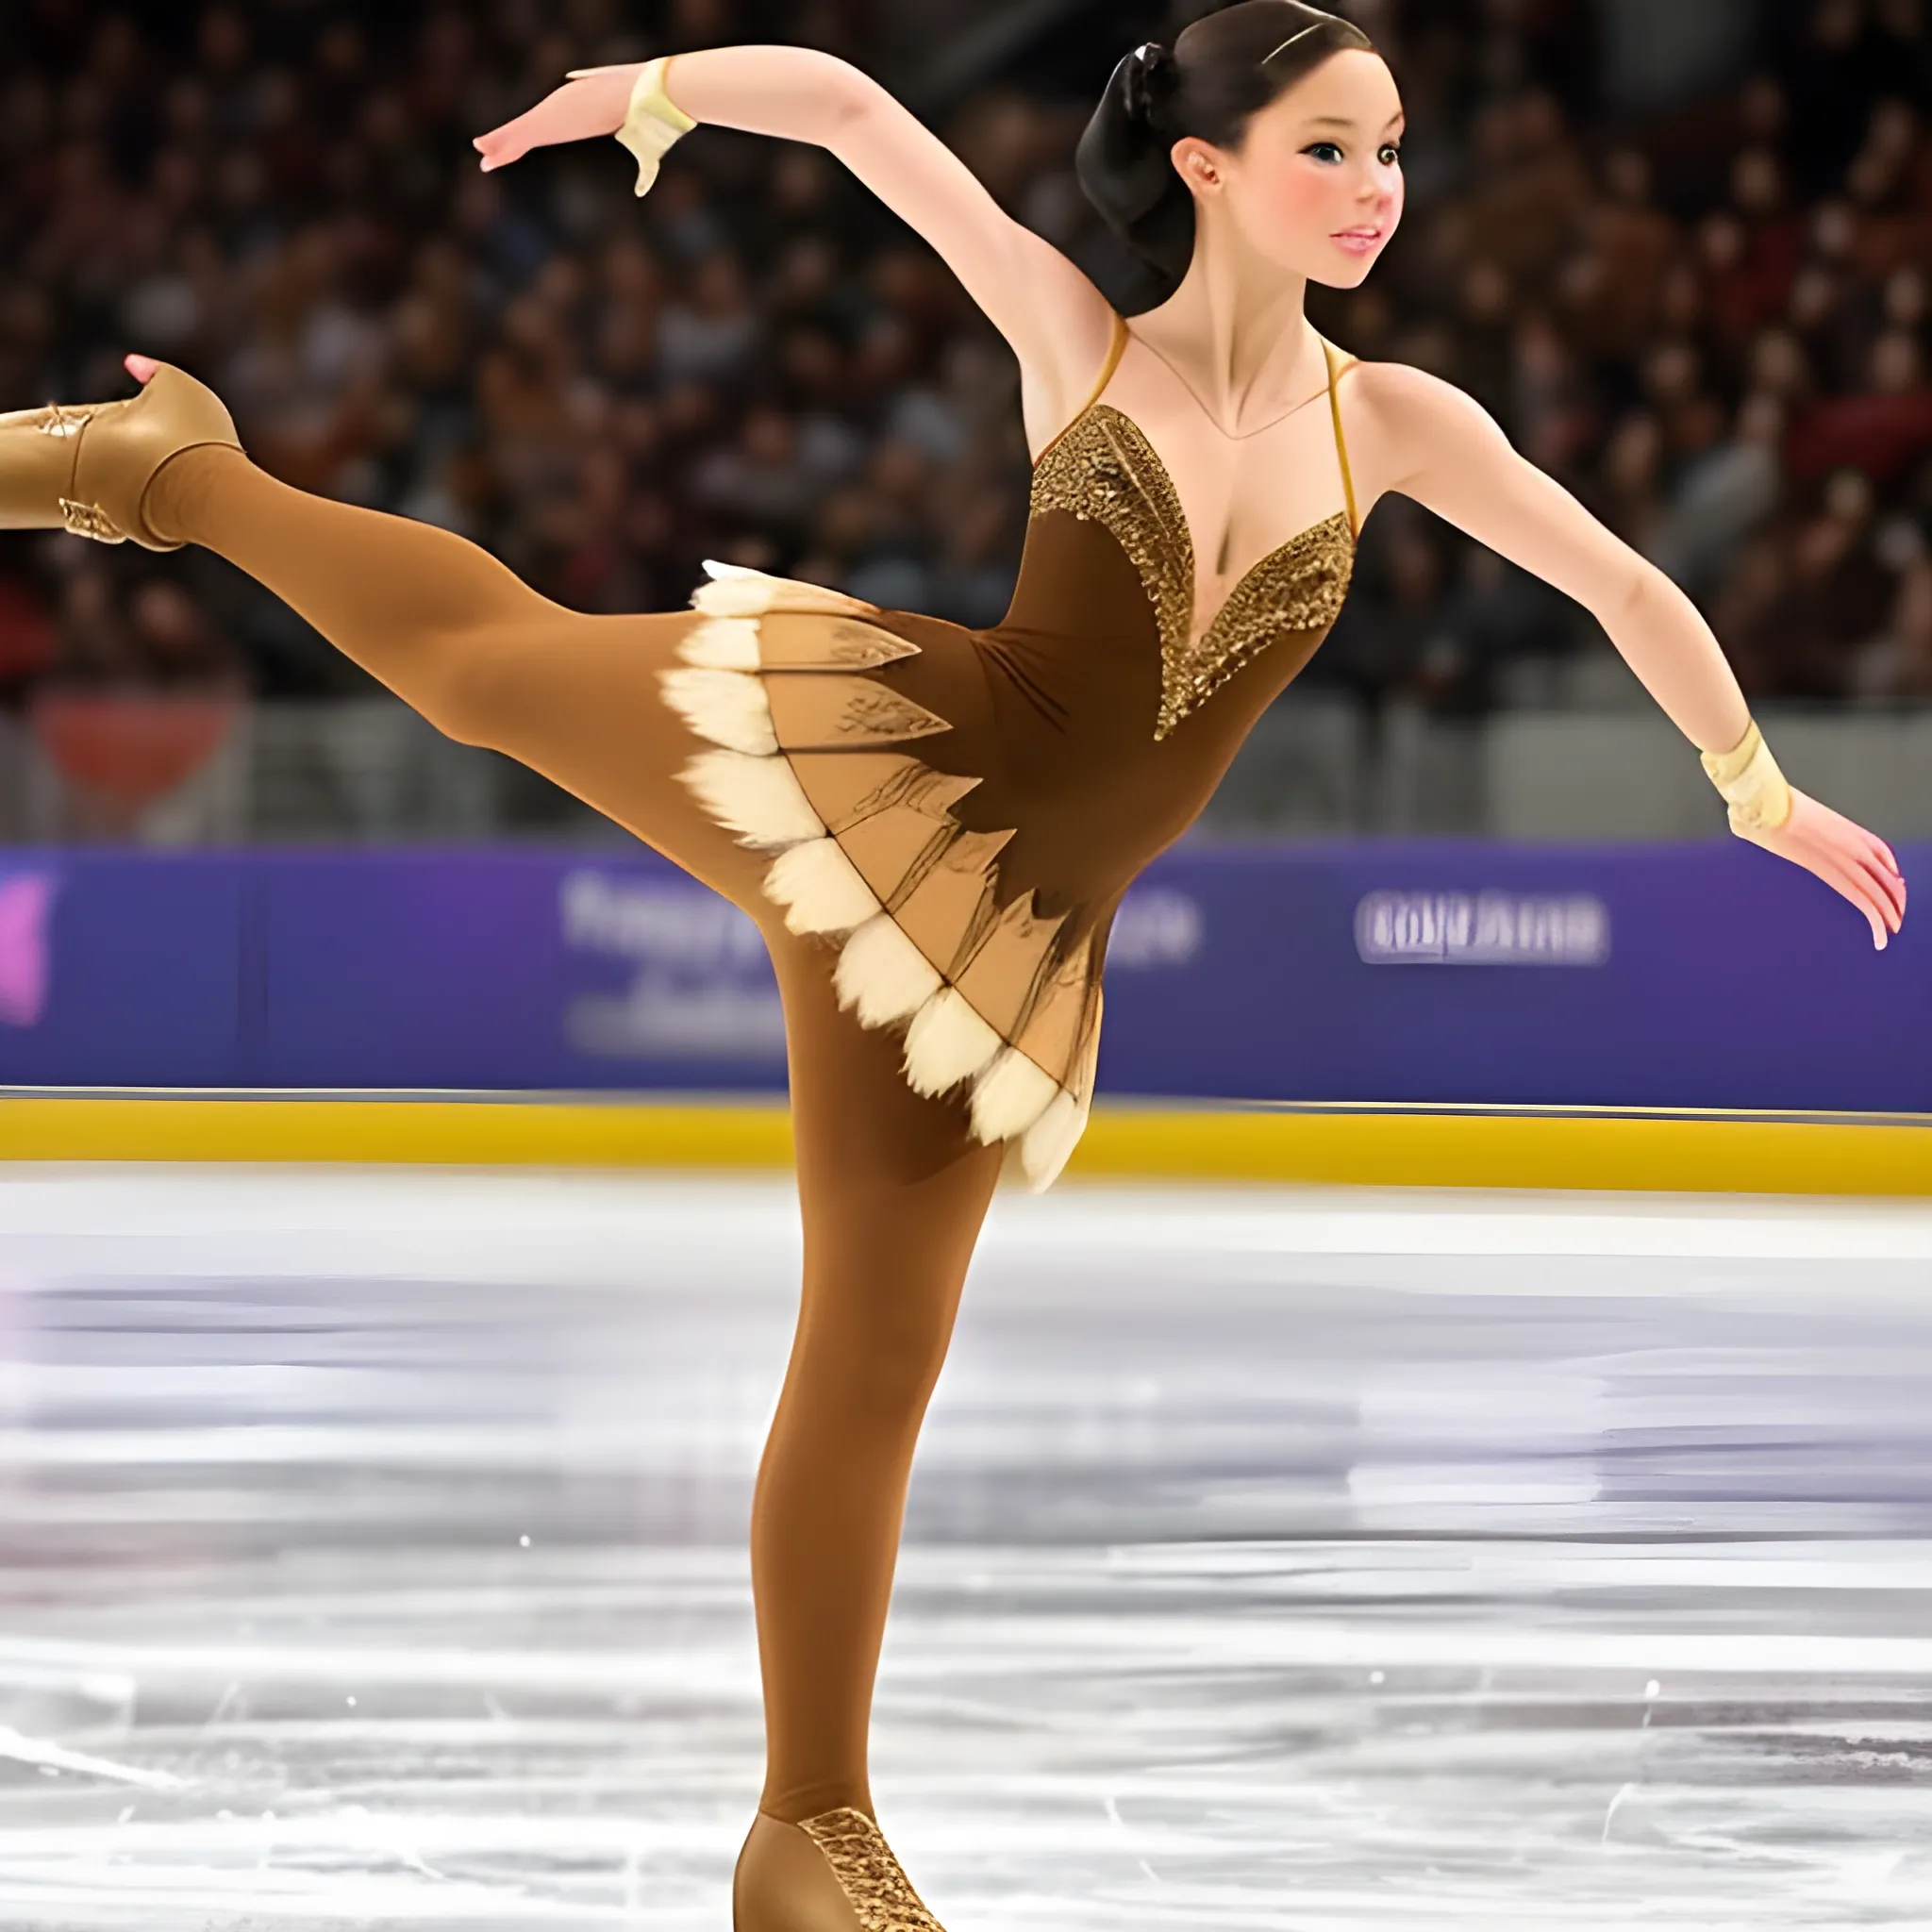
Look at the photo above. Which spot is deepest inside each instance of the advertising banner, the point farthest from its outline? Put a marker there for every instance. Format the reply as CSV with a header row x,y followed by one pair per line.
x,y
1432,972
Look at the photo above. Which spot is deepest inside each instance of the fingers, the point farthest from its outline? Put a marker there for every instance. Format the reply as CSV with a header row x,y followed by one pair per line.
x,y
1869,861
1862,890
1891,889
1855,863
1871,846
1894,877
498,148
506,144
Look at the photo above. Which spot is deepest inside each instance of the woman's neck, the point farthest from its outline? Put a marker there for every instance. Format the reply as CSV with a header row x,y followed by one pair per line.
x,y
1236,331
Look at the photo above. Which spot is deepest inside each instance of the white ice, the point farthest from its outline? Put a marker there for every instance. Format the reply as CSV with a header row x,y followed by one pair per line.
x,y
1276,1558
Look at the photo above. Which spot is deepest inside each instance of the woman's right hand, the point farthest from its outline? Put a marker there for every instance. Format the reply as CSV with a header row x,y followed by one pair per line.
x,y
580,110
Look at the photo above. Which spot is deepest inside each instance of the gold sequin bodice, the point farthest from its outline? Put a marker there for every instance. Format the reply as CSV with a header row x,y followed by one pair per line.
x,y
1103,469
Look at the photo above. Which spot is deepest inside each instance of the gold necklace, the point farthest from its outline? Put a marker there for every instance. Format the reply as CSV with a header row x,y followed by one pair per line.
x,y
1228,434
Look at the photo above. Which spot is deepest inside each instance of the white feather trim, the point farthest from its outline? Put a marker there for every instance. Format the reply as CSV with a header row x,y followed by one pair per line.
x,y
1009,1096
733,599
723,644
883,973
737,591
822,888
947,1042
1049,1143
727,706
760,799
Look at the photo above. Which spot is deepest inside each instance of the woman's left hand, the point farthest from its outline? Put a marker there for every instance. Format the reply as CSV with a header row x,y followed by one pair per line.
x,y
1846,856
580,110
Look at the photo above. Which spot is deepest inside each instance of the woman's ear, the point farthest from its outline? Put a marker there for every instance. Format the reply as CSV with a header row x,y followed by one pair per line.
x,y
1200,164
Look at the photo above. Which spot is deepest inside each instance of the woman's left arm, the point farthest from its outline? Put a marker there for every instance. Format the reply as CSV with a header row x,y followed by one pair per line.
x,y
1429,439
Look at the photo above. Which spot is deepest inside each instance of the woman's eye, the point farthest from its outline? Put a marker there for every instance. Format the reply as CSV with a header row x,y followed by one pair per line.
x,y
1392,149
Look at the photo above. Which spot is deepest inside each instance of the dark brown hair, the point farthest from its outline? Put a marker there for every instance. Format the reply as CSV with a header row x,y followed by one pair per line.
x,y
1220,73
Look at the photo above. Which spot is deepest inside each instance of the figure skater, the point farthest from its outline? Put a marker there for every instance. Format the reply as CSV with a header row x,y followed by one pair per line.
x,y
933,826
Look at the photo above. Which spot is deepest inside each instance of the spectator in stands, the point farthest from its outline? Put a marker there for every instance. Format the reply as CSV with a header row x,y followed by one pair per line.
x,y
1702,319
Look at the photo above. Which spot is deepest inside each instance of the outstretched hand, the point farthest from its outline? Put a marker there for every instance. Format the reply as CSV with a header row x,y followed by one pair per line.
x,y
1846,856
580,110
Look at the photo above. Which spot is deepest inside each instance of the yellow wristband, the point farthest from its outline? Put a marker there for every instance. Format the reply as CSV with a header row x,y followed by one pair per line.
x,y
653,125
1749,778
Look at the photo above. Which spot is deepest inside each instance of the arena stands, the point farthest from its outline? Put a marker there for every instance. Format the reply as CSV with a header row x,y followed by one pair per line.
x,y
1695,290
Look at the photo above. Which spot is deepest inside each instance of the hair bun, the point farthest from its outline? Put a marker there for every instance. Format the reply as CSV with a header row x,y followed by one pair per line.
x,y
1152,76
1232,61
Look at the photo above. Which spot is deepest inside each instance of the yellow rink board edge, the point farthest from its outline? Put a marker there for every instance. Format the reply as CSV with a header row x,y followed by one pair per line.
x,y
1649,1150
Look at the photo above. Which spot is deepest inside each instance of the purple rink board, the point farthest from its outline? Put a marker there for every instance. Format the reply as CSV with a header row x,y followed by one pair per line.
x,y
1427,972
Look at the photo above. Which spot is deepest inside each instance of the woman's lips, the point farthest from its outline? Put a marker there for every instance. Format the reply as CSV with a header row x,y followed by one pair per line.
x,y
1358,241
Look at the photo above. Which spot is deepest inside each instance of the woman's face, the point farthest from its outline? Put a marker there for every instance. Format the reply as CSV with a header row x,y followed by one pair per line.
x,y
1316,187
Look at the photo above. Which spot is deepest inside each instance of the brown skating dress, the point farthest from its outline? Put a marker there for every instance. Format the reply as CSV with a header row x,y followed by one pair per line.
x,y
962,810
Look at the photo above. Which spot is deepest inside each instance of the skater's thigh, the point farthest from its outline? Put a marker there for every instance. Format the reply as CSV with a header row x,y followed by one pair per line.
x,y
893,1188
893,1185
578,698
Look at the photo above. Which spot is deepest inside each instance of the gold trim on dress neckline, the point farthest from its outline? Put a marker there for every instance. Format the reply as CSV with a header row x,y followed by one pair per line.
x,y
1107,469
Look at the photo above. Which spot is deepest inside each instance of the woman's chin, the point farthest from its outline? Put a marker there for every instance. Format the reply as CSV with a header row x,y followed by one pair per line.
x,y
1345,276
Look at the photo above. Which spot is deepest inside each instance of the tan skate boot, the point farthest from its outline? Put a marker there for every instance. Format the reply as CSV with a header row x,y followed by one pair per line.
x,y
86,467
834,1873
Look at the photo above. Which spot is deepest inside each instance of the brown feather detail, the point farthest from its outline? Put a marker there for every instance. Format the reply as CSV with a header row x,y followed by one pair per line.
x,y
949,911
1006,976
1043,1150
802,640
1049,1035
894,849
823,711
847,786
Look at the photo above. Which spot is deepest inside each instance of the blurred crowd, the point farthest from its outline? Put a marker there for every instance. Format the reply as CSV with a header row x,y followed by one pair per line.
x,y
1709,323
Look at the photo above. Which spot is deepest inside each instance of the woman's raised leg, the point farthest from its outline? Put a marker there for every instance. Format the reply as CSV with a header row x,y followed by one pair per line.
x,y
465,640
893,1188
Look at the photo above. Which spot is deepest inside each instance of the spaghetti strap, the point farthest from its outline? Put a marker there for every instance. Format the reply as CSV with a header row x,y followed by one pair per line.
x,y
1116,349
1340,441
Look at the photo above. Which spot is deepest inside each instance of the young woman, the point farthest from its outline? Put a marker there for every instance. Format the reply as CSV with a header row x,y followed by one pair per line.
x,y
932,826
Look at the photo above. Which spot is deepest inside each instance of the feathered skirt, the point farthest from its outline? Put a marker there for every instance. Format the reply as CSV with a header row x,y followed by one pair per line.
x,y
813,761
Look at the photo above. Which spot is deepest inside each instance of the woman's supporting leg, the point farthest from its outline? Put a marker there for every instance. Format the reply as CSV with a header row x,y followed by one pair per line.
x,y
892,1193
463,640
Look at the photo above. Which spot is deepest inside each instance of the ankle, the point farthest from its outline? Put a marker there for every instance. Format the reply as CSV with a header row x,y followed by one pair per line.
x,y
794,1804
175,504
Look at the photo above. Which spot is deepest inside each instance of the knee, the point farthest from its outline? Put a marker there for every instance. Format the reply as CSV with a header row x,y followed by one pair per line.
x,y
880,1364
475,686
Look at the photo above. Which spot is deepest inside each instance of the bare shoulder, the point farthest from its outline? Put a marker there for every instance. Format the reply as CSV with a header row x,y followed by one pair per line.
x,y
1401,420
1416,435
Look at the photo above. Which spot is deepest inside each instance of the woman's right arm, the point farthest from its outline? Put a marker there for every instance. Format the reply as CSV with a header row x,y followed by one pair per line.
x,y
1058,323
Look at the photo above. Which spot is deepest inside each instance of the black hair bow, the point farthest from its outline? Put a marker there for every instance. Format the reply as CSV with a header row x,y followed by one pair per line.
x,y
1153,74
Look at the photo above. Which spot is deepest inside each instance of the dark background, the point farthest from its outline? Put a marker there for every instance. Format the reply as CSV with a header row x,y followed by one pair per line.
x,y
1680,252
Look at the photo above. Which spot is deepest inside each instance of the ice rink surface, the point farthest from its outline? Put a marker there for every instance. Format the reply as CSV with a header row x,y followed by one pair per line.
x,y
1276,1558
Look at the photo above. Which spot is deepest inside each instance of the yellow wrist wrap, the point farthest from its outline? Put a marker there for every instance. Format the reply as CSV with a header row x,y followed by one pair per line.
x,y
654,124
1748,776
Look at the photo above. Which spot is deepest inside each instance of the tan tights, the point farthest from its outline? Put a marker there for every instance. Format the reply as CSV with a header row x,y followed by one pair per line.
x,y
891,1188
